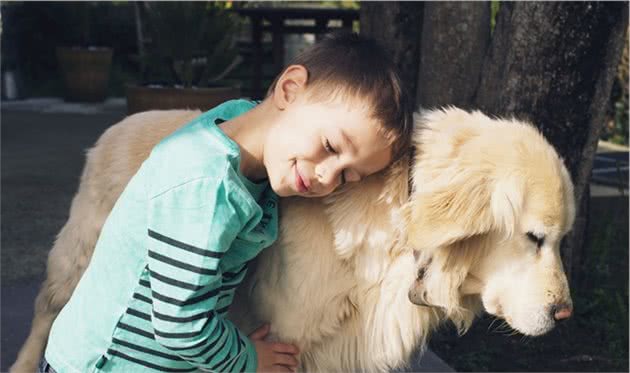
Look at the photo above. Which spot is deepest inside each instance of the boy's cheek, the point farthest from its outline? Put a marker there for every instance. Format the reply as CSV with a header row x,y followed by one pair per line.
x,y
280,186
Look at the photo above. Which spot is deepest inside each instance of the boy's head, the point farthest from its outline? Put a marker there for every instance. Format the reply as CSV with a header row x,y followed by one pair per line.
x,y
342,114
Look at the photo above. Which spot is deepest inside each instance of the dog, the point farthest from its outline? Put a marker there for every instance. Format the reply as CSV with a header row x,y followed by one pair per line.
x,y
358,280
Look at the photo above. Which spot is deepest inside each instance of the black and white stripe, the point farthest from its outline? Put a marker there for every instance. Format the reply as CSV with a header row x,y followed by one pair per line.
x,y
184,246
181,265
147,364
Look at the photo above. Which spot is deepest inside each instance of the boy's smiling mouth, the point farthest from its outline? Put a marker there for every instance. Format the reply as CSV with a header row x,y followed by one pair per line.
x,y
300,184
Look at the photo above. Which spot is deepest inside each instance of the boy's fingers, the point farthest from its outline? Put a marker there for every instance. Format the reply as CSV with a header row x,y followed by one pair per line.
x,y
284,348
286,359
260,333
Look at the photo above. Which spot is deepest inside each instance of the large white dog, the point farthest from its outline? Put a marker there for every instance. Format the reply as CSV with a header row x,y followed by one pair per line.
x,y
358,280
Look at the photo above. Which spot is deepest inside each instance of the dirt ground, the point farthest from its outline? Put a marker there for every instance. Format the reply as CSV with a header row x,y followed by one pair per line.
x,y
594,339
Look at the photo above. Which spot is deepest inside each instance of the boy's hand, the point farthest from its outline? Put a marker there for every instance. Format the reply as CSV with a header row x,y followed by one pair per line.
x,y
273,356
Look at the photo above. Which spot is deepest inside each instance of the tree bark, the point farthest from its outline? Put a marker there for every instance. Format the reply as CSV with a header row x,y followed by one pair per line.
x,y
553,63
455,37
396,25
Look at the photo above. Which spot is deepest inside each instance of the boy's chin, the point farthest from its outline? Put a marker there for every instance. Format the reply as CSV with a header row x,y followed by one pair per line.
x,y
285,193
288,192
291,193
282,190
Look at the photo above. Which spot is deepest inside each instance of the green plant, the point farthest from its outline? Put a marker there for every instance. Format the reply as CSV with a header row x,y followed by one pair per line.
x,y
194,42
494,10
616,126
620,131
78,20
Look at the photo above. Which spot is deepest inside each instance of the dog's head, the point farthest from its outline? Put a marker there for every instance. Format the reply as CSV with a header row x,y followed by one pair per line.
x,y
490,204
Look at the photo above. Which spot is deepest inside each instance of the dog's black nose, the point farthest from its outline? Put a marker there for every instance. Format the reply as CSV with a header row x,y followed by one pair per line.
x,y
560,312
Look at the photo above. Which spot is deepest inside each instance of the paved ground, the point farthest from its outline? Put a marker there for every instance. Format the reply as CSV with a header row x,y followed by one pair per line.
x,y
610,170
610,167
42,157
43,143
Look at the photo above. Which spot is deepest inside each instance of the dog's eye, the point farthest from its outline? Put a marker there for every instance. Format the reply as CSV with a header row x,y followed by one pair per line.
x,y
538,240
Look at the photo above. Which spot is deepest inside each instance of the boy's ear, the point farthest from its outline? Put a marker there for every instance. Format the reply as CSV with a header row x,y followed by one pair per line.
x,y
290,84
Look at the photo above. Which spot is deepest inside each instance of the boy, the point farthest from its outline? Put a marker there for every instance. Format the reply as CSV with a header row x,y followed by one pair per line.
x,y
204,203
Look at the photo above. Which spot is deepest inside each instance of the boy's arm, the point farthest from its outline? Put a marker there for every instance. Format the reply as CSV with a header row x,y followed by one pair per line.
x,y
190,229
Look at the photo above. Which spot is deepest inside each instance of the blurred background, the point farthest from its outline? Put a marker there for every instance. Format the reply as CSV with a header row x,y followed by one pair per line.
x,y
49,49
69,70
179,44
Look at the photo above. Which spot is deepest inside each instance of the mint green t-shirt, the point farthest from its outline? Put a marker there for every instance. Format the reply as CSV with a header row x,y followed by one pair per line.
x,y
168,260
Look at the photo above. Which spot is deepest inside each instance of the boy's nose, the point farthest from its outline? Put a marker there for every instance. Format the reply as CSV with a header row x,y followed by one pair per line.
x,y
323,182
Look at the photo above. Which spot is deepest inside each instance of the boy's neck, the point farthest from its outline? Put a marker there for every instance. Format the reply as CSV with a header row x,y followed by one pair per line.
x,y
249,131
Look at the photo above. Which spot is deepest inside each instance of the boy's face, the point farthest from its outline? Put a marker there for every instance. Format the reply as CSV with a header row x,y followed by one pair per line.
x,y
314,147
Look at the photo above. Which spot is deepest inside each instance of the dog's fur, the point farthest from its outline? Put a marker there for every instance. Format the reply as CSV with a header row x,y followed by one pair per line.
x,y
339,281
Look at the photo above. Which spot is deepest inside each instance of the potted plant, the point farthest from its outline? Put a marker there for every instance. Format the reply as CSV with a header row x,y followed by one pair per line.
x,y
191,48
84,66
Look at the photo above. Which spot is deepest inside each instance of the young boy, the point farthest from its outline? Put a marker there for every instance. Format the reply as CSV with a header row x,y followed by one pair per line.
x,y
204,203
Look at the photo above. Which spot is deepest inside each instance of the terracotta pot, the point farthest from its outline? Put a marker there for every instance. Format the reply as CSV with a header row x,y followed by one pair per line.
x,y
85,72
164,98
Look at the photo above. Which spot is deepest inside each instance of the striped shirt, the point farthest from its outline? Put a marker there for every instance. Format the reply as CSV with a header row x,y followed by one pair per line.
x,y
168,261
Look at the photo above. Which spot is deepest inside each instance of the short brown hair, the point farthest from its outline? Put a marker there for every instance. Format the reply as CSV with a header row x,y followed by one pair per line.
x,y
355,66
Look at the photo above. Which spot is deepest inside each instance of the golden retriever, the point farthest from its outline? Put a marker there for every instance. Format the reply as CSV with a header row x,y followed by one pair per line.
x,y
359,279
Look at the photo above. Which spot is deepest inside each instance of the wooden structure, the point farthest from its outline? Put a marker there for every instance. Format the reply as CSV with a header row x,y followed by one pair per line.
x,y
268,19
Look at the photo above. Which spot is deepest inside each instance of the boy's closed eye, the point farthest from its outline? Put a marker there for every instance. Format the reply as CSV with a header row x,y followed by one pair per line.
x,y
332,150
329,148
347,175
344,177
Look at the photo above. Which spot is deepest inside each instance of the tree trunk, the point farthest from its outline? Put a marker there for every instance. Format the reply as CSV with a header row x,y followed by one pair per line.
x,y
548,62
455,37
397,26
553,63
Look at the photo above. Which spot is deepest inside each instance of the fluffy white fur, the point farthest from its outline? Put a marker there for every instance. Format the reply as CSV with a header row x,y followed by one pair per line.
x,y
342,277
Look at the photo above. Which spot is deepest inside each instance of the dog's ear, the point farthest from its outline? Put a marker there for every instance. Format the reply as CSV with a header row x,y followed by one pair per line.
x,y
442,216
471,205
508,195
450,224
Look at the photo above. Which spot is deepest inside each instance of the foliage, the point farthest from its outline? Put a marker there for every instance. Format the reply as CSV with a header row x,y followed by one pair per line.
x,y
81,22
343,4
494,10
32,31
193,41
616,126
